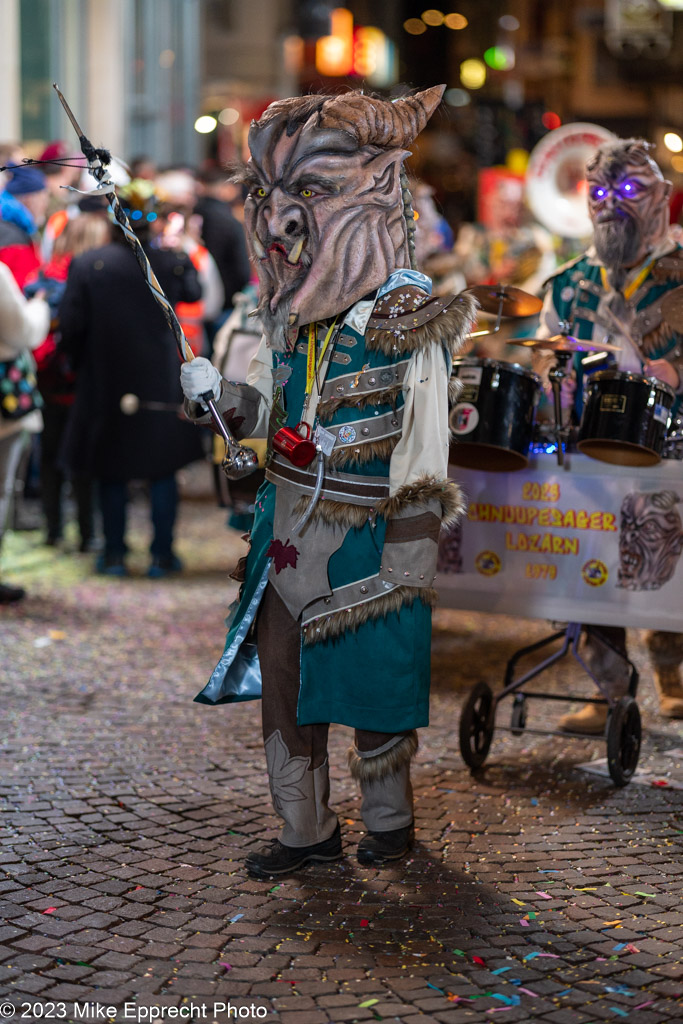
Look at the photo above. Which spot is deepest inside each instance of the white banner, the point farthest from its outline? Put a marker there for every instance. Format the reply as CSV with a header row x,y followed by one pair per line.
x,y
588,542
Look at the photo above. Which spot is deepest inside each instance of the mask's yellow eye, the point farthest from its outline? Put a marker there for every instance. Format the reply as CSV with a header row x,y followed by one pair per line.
x,y
261,193
306,193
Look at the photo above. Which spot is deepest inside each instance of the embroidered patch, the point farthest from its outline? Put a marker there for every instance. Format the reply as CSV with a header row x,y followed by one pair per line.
x,y
347,435
282,554
567,293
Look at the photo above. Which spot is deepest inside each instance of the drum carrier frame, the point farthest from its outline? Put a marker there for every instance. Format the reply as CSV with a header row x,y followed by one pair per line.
x,y
623,731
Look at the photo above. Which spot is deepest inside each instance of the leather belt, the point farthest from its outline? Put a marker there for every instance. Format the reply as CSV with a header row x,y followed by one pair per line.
x,y
337,486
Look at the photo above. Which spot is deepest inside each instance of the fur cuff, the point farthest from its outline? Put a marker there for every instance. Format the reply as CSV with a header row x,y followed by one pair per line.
x,y
329,627
421,492
374,769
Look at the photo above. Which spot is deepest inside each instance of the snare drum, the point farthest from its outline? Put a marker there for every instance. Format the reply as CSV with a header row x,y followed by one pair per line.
x,y
625,418
493,420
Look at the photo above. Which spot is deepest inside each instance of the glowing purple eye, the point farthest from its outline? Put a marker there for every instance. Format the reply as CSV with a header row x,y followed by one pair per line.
x,y
599,193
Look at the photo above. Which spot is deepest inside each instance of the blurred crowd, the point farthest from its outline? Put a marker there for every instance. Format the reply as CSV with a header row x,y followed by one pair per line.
x,y
89,387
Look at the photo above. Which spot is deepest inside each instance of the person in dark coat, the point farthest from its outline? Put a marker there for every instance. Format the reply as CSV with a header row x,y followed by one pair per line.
x,y
223,235
120,345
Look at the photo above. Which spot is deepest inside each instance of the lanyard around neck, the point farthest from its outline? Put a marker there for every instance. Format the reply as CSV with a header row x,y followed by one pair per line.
x,y
311,367
635,284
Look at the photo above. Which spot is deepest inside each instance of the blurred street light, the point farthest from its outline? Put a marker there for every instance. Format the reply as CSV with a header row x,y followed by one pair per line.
x,y
673,142
229,116
205,124
414,26
334,53
473,73
455,21
432,17
500,58
457,97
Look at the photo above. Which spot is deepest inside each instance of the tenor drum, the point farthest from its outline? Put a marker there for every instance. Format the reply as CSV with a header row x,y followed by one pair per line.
x,y
493,420
625,418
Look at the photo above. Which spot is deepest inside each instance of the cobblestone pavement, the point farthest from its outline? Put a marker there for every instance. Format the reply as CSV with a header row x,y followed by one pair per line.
x,y
536,890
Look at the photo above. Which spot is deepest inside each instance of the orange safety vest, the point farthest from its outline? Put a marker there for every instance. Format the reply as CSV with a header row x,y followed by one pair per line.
x,y
191,314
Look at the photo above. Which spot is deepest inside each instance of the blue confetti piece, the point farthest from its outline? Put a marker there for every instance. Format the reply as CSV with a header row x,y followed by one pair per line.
x,y
618,1009
429,985
236,918
534,802
501,970
619,947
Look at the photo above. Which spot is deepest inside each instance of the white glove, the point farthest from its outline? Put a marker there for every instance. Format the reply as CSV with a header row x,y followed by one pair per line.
x,y
198,377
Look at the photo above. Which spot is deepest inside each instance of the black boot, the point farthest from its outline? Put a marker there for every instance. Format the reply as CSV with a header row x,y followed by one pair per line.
x,y
376,848
278,859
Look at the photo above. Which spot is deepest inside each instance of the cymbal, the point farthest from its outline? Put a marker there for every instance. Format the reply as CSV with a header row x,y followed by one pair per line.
x,y
672,308
564,343
515,301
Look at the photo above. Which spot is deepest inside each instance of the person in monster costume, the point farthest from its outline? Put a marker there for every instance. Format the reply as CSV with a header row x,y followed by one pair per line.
x,y
614,292
334,614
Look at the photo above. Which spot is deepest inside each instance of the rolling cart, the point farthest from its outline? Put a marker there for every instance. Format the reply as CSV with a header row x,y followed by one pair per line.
x,y
622,733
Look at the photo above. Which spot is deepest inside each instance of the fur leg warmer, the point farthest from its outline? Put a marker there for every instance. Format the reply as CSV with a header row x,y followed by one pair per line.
x,y
375,767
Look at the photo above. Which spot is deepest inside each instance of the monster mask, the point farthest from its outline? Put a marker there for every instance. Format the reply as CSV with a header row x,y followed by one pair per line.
x,y
627,202
650,541
326,212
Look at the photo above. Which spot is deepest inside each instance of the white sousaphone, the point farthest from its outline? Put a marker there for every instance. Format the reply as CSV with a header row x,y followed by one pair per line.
x,y
556,178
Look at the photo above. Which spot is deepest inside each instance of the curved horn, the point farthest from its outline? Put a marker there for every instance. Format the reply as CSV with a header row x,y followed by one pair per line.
x,y
380,122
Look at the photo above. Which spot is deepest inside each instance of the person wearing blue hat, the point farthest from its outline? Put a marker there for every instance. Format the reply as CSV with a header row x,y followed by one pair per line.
x,y
23,206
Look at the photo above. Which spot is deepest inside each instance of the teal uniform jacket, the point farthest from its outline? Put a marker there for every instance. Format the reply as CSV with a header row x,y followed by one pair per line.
x,y
365,652
576,293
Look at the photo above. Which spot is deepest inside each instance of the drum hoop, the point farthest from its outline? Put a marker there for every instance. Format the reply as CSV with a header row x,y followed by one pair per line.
x,y
637,378
521,371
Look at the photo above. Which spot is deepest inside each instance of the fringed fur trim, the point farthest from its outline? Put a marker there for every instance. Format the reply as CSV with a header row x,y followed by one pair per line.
x,y
659,338
335,513
455,386
381,766
360,454
341,513
449,328
669,267
422,492
330,627
329,407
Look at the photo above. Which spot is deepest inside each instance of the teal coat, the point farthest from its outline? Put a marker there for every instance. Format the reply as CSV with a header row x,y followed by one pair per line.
x,y
377,675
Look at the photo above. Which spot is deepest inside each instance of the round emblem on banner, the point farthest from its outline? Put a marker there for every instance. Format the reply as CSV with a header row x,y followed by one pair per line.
x,y
594,572
464,418
346,435
487,563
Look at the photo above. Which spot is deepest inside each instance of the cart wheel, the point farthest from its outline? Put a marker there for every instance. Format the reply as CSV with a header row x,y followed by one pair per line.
x,y
623,740
518,717
476,725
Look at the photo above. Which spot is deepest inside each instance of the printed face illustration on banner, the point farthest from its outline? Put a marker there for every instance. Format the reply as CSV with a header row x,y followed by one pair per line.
x,y
324,216
650,541
450,549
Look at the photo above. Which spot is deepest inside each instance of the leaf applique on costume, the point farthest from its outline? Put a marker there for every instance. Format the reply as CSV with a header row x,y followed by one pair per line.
x,y
282,554
285,772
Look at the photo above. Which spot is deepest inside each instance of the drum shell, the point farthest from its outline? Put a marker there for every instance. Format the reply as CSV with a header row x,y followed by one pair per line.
x,y
493,418
625,418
